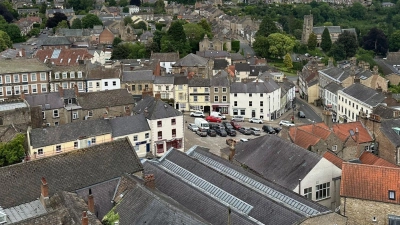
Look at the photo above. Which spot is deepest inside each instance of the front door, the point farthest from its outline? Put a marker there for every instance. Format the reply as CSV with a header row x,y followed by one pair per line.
x,y
148,147
253,113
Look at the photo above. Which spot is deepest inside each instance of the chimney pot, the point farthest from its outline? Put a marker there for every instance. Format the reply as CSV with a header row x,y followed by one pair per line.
x,y
44,188
85,219
149,181
90,201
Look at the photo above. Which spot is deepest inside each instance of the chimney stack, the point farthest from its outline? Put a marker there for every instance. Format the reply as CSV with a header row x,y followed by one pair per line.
x,y
44,196
22,95
157,96
149,181
61,91
85,219
232,150
327,117
366,66
90,201
76,90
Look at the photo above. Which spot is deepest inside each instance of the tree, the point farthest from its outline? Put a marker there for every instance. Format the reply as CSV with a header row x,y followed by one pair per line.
x,y
267,27
127,20
349,43
205,25
280,44
62,24
135,2
338,52
57,17
90,20
120,52
76,24
43,8
5,41
394,41
34,32
141,25
13,151
125,9
159,7
376,40
5,12
112,3
235,45
312,41
357,11
195,34
176,32
15,33
116,41
260,46
326,42
123,3
288,61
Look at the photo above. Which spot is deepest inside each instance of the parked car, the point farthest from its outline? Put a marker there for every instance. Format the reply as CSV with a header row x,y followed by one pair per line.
x,y
221,132
211,133
197,114
255,131
215,126
213,119
193,127
238,118
286,123
301,114
268,129
255,120
245,131
229,129
201,133
277,129
244,140
219,115
226,124
235,125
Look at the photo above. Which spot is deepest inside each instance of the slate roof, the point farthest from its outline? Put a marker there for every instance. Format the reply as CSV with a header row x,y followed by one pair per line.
x,y
269,155
237,56
56,40
99,163
29,65
102,99
384,112
267,86
331,29
129,125
199,82
164,80
333,87
336,160
220,64
100,72
213,54
242,67
48,101
191,60
365,94
215,173
342,130
41,137
369,182
220,80
286,85
372,159
156,109
165,57
180,80
336,73
138,75
255,70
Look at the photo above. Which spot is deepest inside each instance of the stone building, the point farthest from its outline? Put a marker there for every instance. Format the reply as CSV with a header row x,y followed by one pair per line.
x,y
194,65
215,44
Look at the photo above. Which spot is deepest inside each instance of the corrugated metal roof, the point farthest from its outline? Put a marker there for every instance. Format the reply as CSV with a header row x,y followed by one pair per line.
x,y
12,106
25,211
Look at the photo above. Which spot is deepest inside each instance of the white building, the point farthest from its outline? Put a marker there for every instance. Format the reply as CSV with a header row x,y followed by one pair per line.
x,y
164,85
166,124
101,79
255,99
133,9
100,57
330,96
357,100
166,60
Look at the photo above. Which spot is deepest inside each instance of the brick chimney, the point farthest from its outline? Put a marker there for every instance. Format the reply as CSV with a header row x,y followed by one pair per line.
x,y
76,90
232,150
22,95
157,96
149,181
90,201
327,118
60,91
85,219
44,196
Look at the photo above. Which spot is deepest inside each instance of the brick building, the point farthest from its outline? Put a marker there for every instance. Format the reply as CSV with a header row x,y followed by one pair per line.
x,y
106,37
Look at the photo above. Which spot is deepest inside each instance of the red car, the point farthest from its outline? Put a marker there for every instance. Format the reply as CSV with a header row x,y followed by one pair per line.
x,y
235,125
213,119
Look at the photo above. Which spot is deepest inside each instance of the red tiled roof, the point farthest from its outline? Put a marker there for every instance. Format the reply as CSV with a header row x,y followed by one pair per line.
x,y
371,159
370,182
231,70
302,138
319,129
67,57
336,160
342,130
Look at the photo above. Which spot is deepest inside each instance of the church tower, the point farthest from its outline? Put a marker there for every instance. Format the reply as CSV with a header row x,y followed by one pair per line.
x,y
307,28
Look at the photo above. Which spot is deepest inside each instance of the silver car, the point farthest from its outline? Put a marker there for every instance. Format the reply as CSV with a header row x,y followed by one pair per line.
x,y
193,127
255,131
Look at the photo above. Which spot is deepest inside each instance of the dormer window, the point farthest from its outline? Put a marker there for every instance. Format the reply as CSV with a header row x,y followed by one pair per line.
x,y
57,76
392,195
72,74
396,130
79,74
64,75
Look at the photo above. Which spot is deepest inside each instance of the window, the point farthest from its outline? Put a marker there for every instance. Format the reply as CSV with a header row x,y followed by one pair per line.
x,y
194,90
16,78
167,88
79,74
158,87
16,90
56,123
349,102
334,148
159,123
160,148
308,193
146,135
8,79
64,75
235,95
322,191
106,83
195,98
250,103
242,112
235,112
180,87
206,90
8,90
80,86
58,148
133,88
55,113
135,138
224,98
56,76
261,110
140,87
40,151
72,75
173,133
159,135
366,112
114,83
56,86
224,90
206,98
216,98
44,115
353,105
356,106
75,144
44,87
235,103
97,84
1,91
216,90
42,76
24,77
93,140
261,103
173,121
250,95
75,115
65,85
33,77
392,195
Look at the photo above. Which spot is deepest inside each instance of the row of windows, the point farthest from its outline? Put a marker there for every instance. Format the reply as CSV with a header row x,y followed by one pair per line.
x,y
250,95
76,145
17,90
159,134
65,75
146,136
322,191
159,123
17,78
350,114
235,103
66,85
114,83
207,98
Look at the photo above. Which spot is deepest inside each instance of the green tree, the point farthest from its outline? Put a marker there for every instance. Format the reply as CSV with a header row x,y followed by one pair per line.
x,y
288,61
260,46
159,7
205,25
235,45
312,41
326,42
34,32
141,25
357,11
90,20
327,24
76,24
112,3
280,44
267,27
123,3
349,43
195,34
5,41
176,32
13,151
62,24
53,21
338,52
127,20
15,33
116,41
125,9
376,40
394,41
43,8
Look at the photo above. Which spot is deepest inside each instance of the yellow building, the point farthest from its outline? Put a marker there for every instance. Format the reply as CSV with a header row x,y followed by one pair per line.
x,y
181,93
199,94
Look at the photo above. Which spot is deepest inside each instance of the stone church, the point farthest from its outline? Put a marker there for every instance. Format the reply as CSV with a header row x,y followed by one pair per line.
x,y
215,44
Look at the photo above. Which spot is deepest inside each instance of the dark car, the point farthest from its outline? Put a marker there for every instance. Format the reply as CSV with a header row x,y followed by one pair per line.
x,y
227,124
229,129
268,129
301,114
215,126
201,133
211,133
235,125
277,129
221,132
245,131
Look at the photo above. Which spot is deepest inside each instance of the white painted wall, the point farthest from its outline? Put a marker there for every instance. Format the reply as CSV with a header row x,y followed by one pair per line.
x,y
108,84
162,88
331,98
167,66
141,136
349,109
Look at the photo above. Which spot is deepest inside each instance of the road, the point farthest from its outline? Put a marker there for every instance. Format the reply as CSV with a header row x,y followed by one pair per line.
x,y
246,49
29,48
308,111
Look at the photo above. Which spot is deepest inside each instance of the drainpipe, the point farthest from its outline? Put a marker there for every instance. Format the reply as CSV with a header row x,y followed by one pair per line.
x,y
299,186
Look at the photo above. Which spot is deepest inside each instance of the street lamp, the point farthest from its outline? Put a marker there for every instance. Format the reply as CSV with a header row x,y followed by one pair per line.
x,y
269,107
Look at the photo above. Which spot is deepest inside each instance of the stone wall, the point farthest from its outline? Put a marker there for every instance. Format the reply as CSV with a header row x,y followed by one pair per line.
x,y
114,111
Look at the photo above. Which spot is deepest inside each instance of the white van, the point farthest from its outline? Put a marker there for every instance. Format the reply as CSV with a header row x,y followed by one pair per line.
x,y
218,115
201,123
